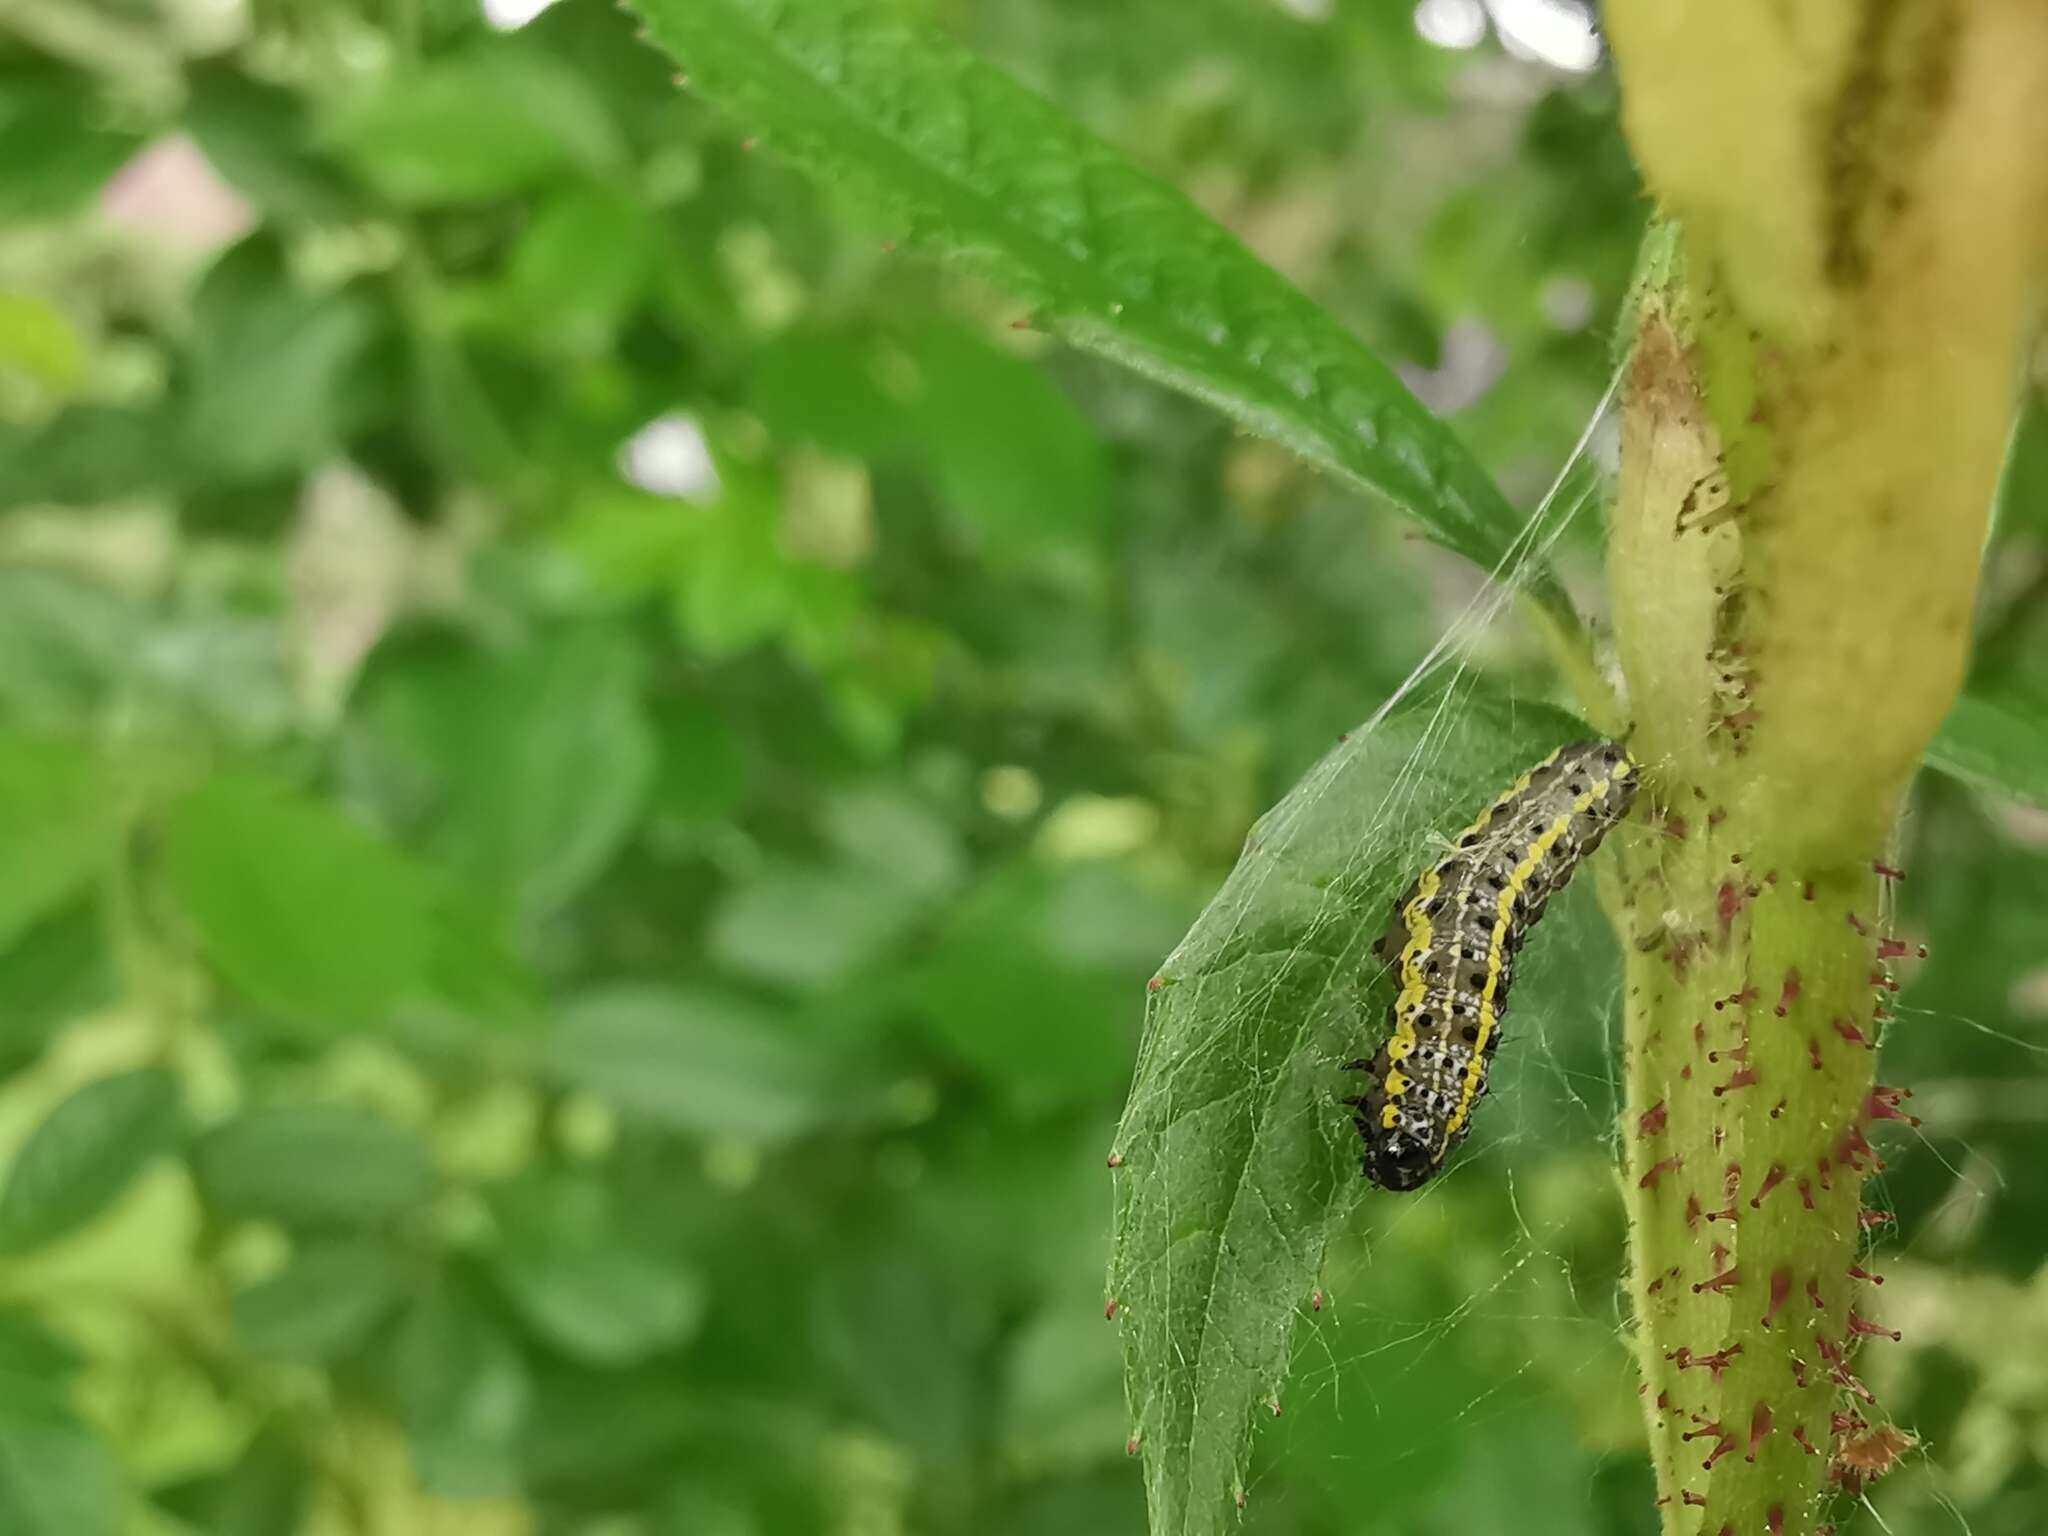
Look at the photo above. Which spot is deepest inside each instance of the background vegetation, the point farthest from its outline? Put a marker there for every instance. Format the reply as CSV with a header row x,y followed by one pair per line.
x,y
595,760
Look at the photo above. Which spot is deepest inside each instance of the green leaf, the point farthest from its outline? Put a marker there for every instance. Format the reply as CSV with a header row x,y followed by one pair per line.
x,y
582,1285
56,971
1237,1158
38,343
913,126
63,643
78,1161
807,929
324,1305
258,137
297,905
262,1494
1042,1030
57,1478
472,126
540,761
698,1062
463,1394
273,365
61,820
702,772
57,148
816,387
581,267
2022,503
1021,468
1991,747
313,1165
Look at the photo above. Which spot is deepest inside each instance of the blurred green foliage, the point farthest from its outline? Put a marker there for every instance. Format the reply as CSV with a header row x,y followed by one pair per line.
x,y
593,763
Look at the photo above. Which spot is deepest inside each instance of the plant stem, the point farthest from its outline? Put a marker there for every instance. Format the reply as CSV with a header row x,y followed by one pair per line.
x,y
1813,419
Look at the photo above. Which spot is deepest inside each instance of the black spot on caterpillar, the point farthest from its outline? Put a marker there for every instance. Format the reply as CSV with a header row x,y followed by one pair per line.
x,y
1453,941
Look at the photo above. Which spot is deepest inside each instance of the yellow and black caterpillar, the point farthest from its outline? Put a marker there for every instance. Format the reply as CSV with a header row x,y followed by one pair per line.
x,y
1453,941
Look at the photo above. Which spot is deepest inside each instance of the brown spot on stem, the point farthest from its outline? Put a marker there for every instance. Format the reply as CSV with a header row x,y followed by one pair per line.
x,y
1745,1078
1652,1123
1883,1104
1726,1280
1789,993
1858,1323
1781,1288
1770,1182
1759,1426
1658,1169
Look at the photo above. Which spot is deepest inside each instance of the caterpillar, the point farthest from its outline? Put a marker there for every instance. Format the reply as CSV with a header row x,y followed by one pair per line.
x,y
1453,940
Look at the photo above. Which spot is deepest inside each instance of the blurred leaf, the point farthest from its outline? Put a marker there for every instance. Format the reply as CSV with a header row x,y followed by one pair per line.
x,y
56,1476
28,1348
1993,748
57,148
902,1346
273,365
89,453
463,1394
61,822
1064,1405
581,1284
694,1061
499,118
56,971
63,642
702,772
807,929
39,343
2023,482
263,1494
1236,1162
297,905
818,388
1019,464
474,969
1043,1031
582,266
313,1165
89,1149
541,761
896,836
324,1305
258,137
917,128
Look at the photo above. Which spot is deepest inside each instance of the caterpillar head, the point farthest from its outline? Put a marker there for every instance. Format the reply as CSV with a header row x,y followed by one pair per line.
x,y
1399,1162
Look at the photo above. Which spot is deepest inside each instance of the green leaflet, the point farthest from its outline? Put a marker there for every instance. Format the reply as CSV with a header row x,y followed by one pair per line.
x,y
1991,747
1237,1161
962,158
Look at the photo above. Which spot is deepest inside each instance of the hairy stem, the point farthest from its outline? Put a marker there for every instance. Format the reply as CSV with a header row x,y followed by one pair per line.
x,y
1815,408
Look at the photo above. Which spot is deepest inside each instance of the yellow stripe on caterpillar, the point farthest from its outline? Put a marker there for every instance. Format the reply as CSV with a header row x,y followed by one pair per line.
x,y
1453,941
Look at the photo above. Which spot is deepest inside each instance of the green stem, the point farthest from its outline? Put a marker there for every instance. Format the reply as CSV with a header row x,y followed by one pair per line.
x,y
1814,412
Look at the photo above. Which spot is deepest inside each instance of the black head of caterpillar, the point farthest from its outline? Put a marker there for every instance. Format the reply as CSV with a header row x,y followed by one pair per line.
x,y
1453,941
